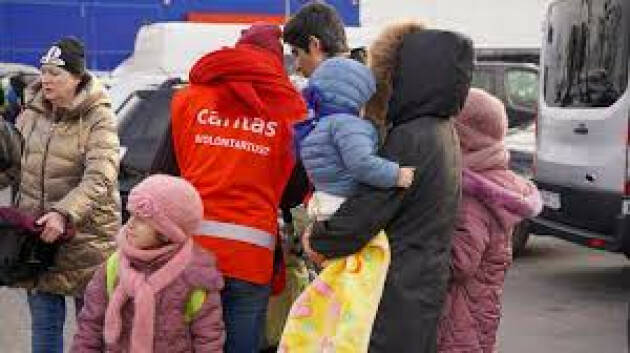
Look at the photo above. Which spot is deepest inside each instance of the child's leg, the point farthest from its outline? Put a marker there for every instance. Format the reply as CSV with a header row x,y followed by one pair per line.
x,y
323,205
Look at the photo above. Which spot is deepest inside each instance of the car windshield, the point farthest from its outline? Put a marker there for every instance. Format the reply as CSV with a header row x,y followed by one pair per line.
x,y
521,88
586,53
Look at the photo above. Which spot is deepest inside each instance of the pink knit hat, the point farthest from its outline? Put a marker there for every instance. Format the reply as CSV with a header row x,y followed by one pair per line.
x,y
483,121
170,204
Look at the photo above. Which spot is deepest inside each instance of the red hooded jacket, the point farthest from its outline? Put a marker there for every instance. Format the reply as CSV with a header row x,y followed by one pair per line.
x,y
232,136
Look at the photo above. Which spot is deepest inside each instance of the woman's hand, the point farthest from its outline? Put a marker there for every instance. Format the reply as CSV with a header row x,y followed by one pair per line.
x,y
54,224
314,256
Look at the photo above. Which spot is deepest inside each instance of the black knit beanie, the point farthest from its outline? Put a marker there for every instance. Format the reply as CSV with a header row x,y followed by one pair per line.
x,y
68,53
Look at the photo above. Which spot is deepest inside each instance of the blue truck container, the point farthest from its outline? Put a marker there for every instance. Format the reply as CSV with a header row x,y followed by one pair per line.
x,y
108,27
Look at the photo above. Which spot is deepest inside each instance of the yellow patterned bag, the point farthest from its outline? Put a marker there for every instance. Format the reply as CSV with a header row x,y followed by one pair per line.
x,y
335,313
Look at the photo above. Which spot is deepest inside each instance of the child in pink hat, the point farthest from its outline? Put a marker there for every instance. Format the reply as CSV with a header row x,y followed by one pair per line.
x,y
494,200
159,274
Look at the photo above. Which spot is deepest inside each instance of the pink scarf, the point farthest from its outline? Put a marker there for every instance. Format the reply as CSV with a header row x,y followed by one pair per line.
x,y
134,284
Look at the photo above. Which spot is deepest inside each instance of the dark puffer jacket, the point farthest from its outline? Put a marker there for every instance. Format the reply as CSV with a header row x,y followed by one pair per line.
x,y
430,81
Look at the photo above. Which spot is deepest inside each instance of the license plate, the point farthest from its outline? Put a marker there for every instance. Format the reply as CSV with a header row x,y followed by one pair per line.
x,y
550,199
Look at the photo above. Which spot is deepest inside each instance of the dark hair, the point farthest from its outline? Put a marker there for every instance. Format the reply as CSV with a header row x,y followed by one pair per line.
x,y
84,80
321,21
359,54
18,84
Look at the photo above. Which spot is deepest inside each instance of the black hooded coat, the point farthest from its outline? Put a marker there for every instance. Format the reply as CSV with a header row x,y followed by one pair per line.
x,y
430,84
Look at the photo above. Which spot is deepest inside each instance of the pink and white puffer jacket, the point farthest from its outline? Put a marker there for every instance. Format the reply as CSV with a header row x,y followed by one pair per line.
x,y
493,202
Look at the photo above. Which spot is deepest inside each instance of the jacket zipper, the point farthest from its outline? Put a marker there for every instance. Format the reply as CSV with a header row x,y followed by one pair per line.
x,y
51,130
23,161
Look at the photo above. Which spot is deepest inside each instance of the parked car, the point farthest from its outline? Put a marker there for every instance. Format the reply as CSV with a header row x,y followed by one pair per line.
x,y
516,85
121,89
15,68
143,118
582,154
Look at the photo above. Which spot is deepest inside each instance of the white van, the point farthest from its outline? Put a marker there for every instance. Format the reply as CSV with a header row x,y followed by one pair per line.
x,y
163,52
582,162
171,48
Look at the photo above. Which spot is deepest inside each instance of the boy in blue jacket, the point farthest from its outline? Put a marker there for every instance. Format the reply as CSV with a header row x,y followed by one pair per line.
x,y
337,146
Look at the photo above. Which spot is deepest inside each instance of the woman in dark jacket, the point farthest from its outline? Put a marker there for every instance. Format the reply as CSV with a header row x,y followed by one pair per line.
x,y
423,79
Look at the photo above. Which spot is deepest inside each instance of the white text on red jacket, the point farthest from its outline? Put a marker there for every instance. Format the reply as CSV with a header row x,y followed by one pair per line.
x,y
255,125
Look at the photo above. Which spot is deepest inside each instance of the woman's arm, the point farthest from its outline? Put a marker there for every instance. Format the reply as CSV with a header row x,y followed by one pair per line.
x,y
366,213
358,220
101,169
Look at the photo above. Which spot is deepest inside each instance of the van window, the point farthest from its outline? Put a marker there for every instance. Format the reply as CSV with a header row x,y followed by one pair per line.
x,y
586,54
522,88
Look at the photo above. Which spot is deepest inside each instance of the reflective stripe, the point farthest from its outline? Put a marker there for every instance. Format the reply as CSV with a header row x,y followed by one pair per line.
x,y
237,232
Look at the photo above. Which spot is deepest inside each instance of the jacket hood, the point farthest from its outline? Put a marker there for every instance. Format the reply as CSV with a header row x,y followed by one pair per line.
x,y
91,95
483,121
510,197
248,70
343,83
433,76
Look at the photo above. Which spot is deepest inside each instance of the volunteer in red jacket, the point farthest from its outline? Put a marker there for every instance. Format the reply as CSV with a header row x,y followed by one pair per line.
x,y
232,139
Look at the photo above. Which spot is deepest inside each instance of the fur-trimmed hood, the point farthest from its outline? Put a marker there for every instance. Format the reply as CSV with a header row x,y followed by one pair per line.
x,y
420,72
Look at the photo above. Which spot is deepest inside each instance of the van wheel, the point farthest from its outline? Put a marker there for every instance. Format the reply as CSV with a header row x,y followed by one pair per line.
x,y
520,236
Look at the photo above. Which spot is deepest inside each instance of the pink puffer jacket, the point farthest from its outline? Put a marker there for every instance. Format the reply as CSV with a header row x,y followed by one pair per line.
x,y
493,202
205,334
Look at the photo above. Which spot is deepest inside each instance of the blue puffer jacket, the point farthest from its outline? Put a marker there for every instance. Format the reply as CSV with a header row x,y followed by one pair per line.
x,y
340,152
